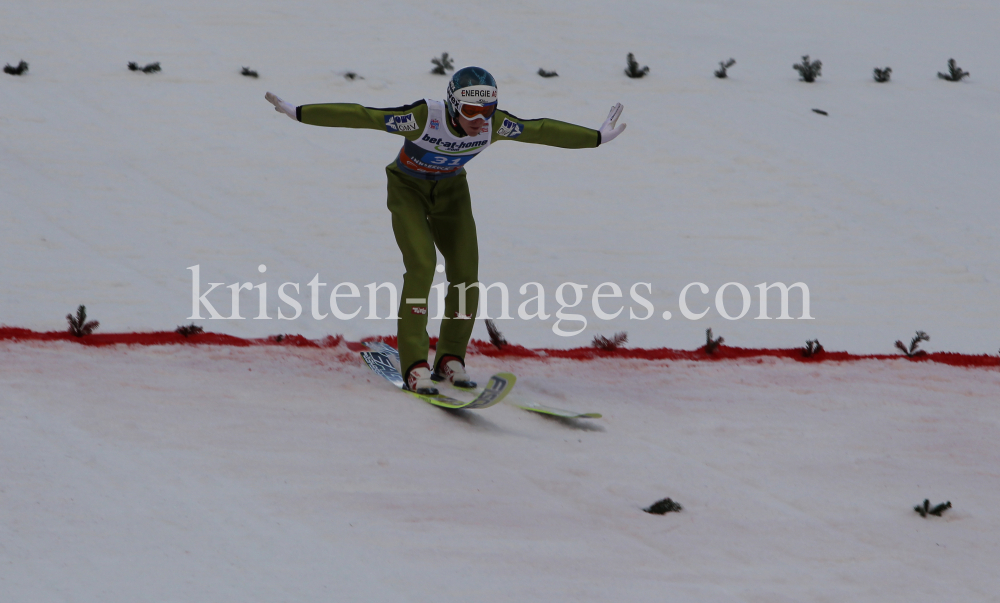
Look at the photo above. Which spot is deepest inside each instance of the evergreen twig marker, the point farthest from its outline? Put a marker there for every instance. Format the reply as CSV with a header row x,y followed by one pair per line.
x,y
882,75
662,507
925,508
955,73
496,337
442,65
21,69
79,326
711,344
616,341
813,347
191,329
149,68
808,70
723,65
633,70
914,344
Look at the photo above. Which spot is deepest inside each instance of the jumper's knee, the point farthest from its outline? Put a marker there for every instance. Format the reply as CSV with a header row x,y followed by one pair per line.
x,y
463,299
420,272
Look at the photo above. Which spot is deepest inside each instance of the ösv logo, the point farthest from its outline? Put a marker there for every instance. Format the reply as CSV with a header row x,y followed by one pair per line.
x,y
510,129
400,123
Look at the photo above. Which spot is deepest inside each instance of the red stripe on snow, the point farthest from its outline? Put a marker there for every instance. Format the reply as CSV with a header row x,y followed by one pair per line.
x,y
487,349
164,338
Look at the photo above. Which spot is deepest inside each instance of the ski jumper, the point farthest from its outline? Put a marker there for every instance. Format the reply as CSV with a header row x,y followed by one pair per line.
x,y
428,197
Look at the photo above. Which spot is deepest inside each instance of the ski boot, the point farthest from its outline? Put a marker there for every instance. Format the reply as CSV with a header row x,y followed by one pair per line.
x,y
419,379
451,369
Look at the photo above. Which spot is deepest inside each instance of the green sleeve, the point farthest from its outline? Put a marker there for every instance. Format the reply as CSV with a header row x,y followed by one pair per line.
x,y
407,121
543,131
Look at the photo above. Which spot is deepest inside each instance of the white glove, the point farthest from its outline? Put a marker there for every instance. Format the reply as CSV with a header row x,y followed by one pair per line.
x,y
608,129
281,106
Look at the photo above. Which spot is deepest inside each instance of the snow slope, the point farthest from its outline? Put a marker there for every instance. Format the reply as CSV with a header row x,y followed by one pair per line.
x,y
116,182
172,473
272,473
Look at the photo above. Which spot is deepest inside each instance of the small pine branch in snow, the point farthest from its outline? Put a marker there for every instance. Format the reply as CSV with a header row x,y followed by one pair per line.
x,y
925,508
808,70
149,68
544,73
633,70
191,329
820,111
955,73
914,344
350,75
79,326
616,341
442,65
723,65
882,75
249,72
21,68
662,507
496,337
939,509
813,347
711,344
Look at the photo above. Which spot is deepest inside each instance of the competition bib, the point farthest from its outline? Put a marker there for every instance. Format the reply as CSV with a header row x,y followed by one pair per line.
x,y
438,152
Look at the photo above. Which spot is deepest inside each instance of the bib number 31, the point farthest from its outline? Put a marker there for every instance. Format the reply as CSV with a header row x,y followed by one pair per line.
x,y
448,161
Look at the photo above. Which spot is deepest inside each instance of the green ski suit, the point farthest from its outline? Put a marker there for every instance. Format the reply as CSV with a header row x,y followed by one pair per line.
x,y
433,208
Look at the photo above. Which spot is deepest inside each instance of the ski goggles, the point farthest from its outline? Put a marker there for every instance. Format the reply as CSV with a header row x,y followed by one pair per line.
x,y
474,111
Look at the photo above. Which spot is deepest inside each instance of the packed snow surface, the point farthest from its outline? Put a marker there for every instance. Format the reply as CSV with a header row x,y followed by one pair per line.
x,y
172,473
217,473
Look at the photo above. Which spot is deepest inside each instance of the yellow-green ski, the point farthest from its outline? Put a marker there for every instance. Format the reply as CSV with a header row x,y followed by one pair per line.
x,y
389,351
496,389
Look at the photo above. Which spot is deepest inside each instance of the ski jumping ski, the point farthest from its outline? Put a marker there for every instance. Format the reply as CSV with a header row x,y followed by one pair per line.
x,y
554,412
390,352
496,389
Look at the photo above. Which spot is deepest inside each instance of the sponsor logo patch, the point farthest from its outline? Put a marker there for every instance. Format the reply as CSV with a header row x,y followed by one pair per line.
x,y
419,309
510,129
435,124
480,94
400,123
467,94
452,147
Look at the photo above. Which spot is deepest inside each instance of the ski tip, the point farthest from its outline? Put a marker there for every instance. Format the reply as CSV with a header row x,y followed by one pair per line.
x,y
557,412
